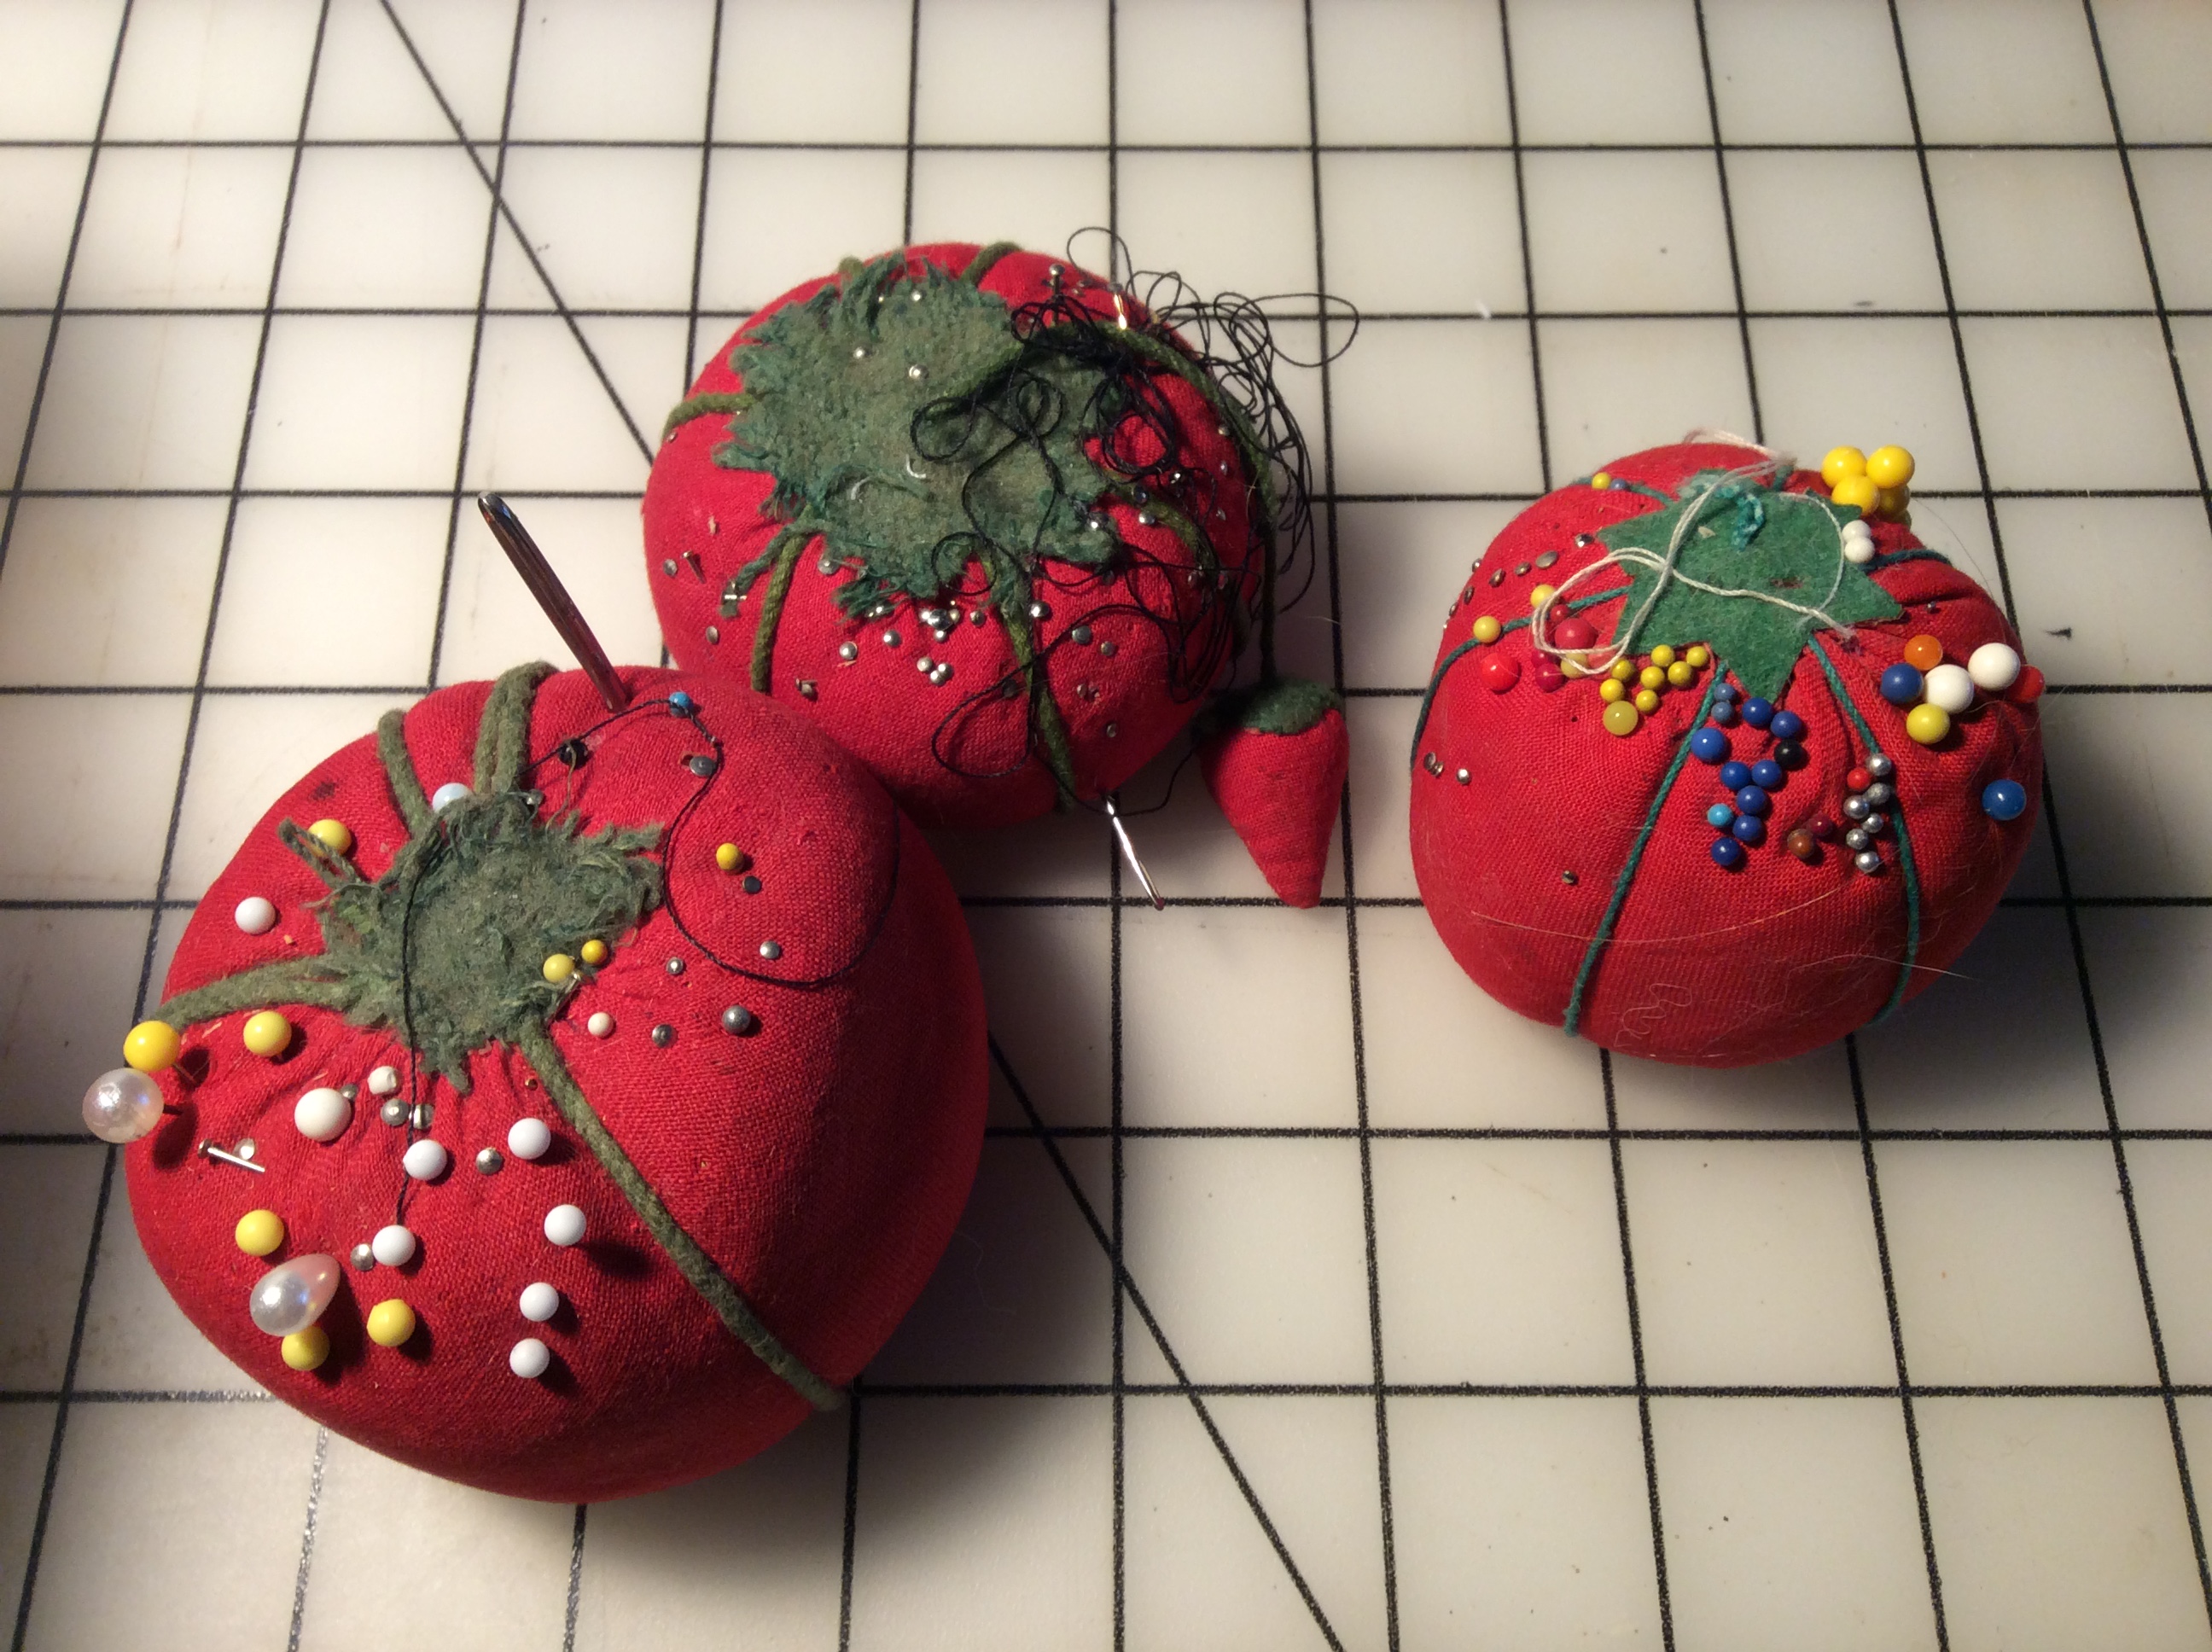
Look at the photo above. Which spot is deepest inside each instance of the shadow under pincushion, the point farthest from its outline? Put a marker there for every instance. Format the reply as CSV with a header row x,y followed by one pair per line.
x,y
799,1165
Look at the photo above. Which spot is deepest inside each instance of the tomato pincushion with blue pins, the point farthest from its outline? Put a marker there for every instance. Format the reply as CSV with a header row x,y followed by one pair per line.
x,y
1719,761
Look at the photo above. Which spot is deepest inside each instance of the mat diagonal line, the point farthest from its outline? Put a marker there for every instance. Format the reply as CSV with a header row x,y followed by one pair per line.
x,y
507,212
1122,1280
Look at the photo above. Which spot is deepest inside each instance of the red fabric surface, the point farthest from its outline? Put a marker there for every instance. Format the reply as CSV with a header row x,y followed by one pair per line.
x,y
1281,792
823,1161
1120,711
1709,967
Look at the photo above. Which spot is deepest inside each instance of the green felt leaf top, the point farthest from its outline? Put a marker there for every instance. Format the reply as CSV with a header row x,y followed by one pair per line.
x,y
447,949
906,422
1744,544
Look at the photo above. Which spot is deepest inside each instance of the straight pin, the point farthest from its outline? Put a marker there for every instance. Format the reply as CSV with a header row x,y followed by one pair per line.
x,y
553,597
209,1150
1129,853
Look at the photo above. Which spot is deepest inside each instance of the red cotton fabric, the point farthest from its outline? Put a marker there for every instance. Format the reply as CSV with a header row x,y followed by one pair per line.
x,y
1705,966
1281,792
1122,709
822,1161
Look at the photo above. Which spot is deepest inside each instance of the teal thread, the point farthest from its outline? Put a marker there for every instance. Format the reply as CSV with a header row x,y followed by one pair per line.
x,y
1620,885
1904,841
1428,700
1437,676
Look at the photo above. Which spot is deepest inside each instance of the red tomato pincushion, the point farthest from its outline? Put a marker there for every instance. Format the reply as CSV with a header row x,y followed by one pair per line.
x,y
1714,769
998,531
613,1083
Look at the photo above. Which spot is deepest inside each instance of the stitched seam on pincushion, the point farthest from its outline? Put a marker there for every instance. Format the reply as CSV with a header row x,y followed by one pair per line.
x,y
1621,883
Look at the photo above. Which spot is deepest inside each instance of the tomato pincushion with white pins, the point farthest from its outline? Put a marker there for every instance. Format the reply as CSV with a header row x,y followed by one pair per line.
x,y
613,1084
1719,761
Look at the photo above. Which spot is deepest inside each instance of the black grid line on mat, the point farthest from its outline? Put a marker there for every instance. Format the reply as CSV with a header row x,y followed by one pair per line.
x,y
2165,314
1642,1389
1118,1133
1897,1346
1327,474
882,146
25,1599
1496,313
1727,221
879,1392
1934,1539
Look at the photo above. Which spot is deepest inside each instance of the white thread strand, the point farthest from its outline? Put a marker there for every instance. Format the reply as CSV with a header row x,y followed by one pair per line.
x,y
1593,661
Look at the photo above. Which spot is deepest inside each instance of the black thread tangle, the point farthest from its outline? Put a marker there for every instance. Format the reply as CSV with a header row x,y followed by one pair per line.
x,y
1230,340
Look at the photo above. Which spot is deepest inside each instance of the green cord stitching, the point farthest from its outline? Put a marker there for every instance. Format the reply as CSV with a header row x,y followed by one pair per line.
x,y
704,1275
785,550
1437,676
1906,862
1052,730
1620,885
980,265
406,790
732,402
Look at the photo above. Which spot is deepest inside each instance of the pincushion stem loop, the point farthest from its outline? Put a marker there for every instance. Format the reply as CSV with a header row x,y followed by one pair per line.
x,y
553,597
1129,853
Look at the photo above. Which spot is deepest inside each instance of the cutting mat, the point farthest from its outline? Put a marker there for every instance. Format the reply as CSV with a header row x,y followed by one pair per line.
x,y
1306,1297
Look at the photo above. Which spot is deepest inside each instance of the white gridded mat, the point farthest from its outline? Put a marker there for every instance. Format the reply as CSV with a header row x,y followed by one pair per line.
x,y
1432,1329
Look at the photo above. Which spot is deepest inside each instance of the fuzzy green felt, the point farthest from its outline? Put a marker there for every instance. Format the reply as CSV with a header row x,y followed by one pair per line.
x,y
1746,540
445,947
1289,705
902,417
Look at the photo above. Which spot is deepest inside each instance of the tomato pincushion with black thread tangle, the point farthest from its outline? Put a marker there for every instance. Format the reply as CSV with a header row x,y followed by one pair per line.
x,y
1000,529
614,1085
1713,768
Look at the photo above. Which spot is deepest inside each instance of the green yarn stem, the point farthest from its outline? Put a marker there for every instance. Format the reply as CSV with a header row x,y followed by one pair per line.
x,y
295,981
399,772
1429,699
1052,731
980,265
729,402
323,860
1905,862
503,730
785,548
1600,941
700,1270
